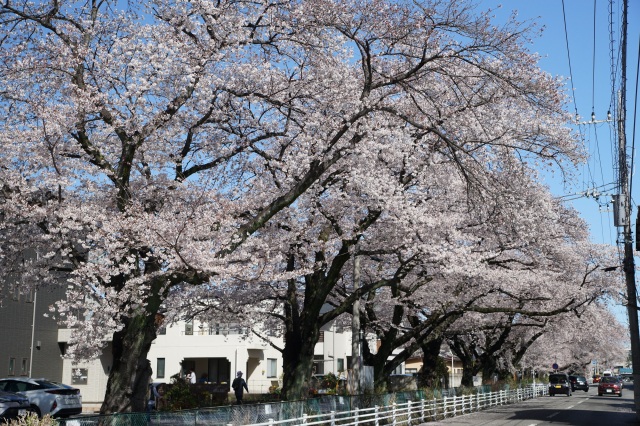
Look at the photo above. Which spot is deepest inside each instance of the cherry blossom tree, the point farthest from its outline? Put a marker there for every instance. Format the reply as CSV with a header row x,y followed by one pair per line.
x,y
596,334
180,146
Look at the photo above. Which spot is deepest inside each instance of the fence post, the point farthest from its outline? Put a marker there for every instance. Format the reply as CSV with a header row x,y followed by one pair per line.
x,y
375,416
455,405
304,418
357,416
393,415
271,422
333,418
444,404
409,411
422,410
435,408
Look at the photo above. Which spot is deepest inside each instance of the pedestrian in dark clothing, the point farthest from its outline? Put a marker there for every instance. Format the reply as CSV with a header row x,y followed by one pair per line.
x,y
239,385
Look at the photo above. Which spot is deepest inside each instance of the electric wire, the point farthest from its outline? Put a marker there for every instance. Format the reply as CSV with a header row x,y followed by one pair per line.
x,y
612,100
593,62
635,115
566,38
573,89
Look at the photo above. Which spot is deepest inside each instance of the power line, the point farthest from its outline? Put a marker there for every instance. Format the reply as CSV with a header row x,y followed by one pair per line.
x,y
566,38
593,62
635,115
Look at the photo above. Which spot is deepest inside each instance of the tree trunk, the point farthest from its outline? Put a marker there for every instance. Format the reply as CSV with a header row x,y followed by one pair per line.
x,y
467,372
128,382
432,365
297,364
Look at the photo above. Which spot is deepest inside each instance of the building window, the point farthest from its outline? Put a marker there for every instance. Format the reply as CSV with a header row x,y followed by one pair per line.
x,y
340,365
23,367
12,366
272,370
79,376
318,364
321,336
411,370
160,368
188,328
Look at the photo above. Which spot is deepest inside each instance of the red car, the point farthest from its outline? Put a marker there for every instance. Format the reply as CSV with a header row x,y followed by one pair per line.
x,y
610,386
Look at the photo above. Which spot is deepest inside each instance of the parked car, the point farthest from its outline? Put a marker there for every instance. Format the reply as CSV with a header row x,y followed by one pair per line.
x,y
579,382
596,378
46,397
559,384
13,405
610,385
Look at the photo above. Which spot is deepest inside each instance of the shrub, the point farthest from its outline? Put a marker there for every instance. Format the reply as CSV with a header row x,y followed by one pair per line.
x,y
179,396
33,420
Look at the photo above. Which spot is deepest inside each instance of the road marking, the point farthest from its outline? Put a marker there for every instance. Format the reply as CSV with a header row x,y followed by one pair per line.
x,y
553,415
533,424
582,401
570,407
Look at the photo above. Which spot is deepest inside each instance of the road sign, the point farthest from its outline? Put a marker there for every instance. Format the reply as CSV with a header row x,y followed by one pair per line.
x,y
555,366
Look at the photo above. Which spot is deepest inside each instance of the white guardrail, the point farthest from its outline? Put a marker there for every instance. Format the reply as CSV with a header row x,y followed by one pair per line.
x,y
410,412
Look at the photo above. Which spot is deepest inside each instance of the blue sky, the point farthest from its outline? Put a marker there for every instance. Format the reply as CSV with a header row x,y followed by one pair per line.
x,y
588,60
590,66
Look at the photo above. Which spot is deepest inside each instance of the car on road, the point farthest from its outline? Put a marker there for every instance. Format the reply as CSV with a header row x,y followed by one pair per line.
x,y
13,405
610,385
596,378
46,397
579,383
559,384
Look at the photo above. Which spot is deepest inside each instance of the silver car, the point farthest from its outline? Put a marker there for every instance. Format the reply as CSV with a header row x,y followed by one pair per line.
x,y
46,397
13,405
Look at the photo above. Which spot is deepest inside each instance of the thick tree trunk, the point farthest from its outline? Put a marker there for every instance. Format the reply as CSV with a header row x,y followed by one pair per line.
x,y
128,382
302,330
297,366
467,372
432,365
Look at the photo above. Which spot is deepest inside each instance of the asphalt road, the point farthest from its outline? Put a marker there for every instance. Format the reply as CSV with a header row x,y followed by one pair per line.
x,y
582,408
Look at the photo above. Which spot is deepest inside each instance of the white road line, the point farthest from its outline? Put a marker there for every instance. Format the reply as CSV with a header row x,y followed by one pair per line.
x,y
554,414
570,407
533,424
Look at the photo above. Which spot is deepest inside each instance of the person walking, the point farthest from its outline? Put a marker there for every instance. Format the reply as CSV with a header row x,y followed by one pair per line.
x,y
239,385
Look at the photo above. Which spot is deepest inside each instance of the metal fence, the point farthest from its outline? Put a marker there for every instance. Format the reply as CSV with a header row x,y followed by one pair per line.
x,y
389,409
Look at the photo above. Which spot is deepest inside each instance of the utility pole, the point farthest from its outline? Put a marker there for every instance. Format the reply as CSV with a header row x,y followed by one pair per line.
x,y
356,361
628,263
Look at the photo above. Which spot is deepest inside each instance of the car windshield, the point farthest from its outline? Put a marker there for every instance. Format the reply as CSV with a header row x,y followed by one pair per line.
x,y
609,380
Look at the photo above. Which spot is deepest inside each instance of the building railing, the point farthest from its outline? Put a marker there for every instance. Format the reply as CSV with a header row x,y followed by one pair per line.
x,y
402,408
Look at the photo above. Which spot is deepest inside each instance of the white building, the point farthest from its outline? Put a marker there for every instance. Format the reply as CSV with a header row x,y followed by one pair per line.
x,y
215,351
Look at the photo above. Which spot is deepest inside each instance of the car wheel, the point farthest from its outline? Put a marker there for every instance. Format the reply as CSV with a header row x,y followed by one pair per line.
x,y
599,394
620,395
36,410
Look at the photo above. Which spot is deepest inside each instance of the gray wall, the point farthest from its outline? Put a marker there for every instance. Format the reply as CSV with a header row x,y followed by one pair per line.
x,y
16,320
